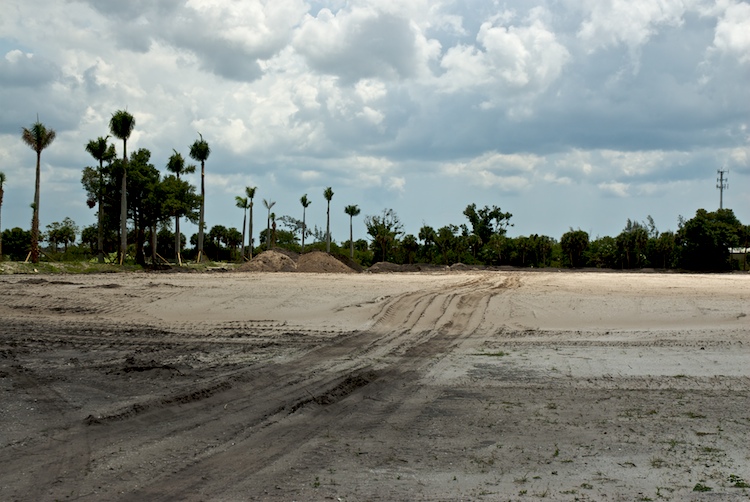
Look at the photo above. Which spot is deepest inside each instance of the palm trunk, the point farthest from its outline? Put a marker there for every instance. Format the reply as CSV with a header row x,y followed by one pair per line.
x,y
250,238
203,213
244,222
328,228
177,240
304,228
351,236
100,218
268,230
1,223
124,204
35,214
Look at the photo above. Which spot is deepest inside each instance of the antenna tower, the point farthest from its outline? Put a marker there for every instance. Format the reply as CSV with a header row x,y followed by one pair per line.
x,y
722,183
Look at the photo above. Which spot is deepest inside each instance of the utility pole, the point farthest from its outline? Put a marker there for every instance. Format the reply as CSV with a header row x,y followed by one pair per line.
x,y
722,184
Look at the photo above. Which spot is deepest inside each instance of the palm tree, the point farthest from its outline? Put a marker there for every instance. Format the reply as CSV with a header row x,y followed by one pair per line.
x,y
176,165
2,182
250,193
121,126
200,151
243,204
352,211
269,205
99,149
38,137
305,202
328,194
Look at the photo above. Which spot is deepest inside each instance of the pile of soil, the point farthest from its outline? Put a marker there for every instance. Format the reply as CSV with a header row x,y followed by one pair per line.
x,y
270,261
384,267
278,260
320,262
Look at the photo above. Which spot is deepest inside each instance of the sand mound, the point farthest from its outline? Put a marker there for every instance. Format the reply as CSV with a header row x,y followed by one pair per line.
x,y
270,261
320,262
281,260
382,267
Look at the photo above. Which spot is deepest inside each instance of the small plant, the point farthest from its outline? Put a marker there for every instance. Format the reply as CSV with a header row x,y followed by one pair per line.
x,y
658,463
700,487
691,414
316,484
523,492
587,486
738,482
557,452
551,406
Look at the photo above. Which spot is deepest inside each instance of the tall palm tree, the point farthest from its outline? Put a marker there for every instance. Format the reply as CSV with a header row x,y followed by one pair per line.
x,y
305,202
352,211
328,194
2,182
250,193
38,137
121,125
200,151
244,204
269,205
99,149
176,165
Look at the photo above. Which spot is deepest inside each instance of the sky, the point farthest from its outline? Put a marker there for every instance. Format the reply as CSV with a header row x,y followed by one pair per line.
x,y
565,113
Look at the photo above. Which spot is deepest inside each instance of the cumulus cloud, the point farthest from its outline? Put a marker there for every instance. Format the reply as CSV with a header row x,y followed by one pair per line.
x,y
732,34
509,59
364,42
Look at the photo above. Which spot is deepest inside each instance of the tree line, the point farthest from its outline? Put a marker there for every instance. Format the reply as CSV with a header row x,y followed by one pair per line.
x,y
123,189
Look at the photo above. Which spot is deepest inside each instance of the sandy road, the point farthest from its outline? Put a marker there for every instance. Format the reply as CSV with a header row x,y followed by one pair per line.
x,y
491,386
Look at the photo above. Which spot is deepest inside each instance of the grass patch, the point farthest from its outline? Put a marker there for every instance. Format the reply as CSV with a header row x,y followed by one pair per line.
x,y
738,482
499,353
700,487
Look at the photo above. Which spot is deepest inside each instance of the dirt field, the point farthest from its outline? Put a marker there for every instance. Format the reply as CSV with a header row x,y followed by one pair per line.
x,y
357,387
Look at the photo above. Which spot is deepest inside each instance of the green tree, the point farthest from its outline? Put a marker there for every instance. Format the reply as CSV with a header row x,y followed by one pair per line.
x,y
603,252
352,211
305,203
242,203
121,126
199,151
487,221
38,137
328,194
574,245
632,245
704,240
2,192
269,204
101,151
179,200
16,242
176,165
250,193
145,199
61,233
384,230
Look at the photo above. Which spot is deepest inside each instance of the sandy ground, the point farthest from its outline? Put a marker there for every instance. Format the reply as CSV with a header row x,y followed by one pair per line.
x,y
443,386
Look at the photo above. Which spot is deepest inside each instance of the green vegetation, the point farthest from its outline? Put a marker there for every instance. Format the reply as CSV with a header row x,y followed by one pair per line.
x,y
139,211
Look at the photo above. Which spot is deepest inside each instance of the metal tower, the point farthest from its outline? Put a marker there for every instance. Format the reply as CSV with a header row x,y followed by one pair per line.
x,y
722,184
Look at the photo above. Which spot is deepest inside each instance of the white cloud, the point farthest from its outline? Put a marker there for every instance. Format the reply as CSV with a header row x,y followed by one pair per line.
x,y
629,22
510,61
733,31
615,188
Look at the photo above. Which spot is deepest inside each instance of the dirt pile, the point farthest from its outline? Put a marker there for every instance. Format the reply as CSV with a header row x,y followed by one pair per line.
x,y
270,261
320,262
282,261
